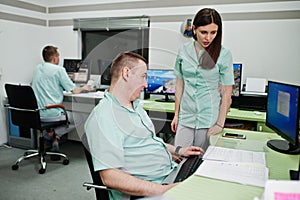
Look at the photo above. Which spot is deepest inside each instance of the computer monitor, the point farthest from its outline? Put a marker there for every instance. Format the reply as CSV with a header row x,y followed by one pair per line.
x,y
161,82
237,72
72,65
283,108
78,70
237,87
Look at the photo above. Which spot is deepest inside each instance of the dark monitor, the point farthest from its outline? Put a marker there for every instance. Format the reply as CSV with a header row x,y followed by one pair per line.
x,y
72,65
78,70
161,82
104,66
283,107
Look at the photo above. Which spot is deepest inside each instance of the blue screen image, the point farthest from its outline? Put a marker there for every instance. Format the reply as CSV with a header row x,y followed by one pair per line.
x,y
283,106
237,70
161,81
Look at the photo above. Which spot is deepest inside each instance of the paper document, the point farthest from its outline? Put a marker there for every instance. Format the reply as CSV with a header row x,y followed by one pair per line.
x,y
234,165
256,85
244,173
234,155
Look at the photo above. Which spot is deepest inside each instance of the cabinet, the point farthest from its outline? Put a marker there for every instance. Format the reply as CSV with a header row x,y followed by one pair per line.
x,y
20,137
253,120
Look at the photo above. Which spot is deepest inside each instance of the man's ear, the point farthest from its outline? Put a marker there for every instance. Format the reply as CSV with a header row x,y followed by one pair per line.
x,y
125,73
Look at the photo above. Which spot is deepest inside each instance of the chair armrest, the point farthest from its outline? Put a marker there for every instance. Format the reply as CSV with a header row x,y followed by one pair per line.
x,y
91,185
55,106
59,106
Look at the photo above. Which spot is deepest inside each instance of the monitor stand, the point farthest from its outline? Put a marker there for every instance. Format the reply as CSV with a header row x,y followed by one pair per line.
x,y
283,146
166,99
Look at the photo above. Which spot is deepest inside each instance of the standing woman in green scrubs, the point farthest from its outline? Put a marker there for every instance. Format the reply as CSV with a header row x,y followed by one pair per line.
x,y
204,79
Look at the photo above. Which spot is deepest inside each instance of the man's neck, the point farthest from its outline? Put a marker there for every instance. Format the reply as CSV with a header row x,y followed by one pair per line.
x,y
117,91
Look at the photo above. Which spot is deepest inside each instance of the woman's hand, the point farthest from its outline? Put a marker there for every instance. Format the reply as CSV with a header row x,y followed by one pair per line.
x,y
215,129
174,123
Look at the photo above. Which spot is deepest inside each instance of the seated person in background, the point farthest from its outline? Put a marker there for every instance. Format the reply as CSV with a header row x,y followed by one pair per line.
x,y
121,136
48,83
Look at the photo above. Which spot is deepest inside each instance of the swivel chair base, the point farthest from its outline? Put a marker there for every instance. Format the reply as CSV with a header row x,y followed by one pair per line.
x,y
42,155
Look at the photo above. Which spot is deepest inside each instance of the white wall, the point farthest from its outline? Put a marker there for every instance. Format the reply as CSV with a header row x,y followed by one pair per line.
x,y
267,48
21,46
20,52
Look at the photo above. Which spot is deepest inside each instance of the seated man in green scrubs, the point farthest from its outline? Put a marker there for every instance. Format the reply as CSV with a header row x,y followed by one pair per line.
x,y
48,83
121,137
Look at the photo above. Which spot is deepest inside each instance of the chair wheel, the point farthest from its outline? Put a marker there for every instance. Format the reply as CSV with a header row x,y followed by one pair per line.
x,y
66,161
42,171
15,167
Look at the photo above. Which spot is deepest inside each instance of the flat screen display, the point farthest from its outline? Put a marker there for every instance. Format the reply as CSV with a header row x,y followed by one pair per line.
x,y
72,65
283,114
161,82
78,70
237,71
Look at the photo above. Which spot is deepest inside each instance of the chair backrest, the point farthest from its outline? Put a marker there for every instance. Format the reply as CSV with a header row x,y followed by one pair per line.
x,y
100,193
23,106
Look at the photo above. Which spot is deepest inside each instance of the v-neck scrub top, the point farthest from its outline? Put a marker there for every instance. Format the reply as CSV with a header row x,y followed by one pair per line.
x,y
200,101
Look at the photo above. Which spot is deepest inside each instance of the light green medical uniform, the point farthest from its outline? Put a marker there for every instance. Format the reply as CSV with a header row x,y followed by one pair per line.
x,y
200,102
124,138
48,83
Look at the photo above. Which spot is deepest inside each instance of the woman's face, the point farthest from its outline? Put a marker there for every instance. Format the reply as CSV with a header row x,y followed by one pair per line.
x,y
206,34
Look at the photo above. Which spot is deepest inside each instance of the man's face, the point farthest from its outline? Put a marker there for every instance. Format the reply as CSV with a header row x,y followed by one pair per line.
x,y
137,79
56,59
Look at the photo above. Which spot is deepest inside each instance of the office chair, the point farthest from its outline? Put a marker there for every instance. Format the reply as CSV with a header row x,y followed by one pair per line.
x,y
24,110
100,189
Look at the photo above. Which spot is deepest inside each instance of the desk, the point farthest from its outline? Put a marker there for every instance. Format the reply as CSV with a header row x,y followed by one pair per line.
x,y
196,187
161,113
256,118
82,103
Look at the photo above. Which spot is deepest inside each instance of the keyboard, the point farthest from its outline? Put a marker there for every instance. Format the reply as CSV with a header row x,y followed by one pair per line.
x,y
188,168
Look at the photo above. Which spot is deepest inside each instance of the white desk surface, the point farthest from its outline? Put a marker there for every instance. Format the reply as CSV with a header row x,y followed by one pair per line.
x,y
95,95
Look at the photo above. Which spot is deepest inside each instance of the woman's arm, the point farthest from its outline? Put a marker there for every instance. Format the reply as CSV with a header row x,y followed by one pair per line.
x,y
178,94
226,92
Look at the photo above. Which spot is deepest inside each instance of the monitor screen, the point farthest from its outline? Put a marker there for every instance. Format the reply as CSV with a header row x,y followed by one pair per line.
x,y
78,71
237,71
283,116
72,65
161,82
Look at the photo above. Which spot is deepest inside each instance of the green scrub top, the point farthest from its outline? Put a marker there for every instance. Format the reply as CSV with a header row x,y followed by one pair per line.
x,y
200,102
124,138
48,83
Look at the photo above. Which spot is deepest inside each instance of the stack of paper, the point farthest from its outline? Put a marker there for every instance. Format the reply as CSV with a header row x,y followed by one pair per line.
x,y
240,166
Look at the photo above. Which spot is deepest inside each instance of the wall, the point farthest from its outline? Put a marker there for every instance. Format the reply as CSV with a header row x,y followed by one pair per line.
x,y
263,35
